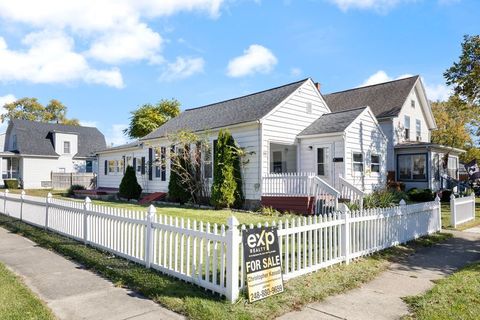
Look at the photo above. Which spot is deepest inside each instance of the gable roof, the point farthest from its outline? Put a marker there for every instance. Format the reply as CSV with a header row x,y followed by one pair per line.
x,y
385,99
332,122
243,109
36,138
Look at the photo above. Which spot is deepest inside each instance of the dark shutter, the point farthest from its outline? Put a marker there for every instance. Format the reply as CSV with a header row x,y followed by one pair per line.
x,y
143,165
124,163
106,167
134,162
150,160
163,158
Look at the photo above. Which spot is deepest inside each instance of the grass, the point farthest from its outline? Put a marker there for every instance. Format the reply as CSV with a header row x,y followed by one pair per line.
x,y
17,301
446,217
195,302
455,297
199,214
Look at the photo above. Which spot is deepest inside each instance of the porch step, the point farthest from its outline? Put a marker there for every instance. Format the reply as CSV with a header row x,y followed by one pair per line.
x,y
156,196
299,204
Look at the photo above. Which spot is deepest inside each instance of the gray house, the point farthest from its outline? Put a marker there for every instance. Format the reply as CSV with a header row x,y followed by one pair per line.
x,y
31,151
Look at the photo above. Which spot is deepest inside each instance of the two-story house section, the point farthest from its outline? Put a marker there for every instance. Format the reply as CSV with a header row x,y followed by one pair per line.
x,y
405,116
33,150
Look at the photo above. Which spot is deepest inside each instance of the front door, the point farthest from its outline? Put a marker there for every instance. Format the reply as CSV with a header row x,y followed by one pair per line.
x,y
323,162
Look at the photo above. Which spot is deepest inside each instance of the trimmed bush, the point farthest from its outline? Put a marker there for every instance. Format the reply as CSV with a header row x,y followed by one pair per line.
x,y
129,187
74,187
420,195
225,188
11,183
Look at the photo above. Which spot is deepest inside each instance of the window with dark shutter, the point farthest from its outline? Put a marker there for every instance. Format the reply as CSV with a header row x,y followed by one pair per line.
x,y
143,166
134,162
163,166
106,167
150,163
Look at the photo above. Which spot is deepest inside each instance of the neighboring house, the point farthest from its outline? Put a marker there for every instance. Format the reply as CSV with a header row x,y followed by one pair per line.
x,y
285,130
31,151
405,116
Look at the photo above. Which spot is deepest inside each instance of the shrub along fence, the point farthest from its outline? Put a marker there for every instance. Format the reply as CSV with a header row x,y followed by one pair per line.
x,y
462,209
211,255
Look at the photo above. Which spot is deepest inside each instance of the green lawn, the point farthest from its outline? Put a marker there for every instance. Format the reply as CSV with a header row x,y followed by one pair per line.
x,y
455,297
200,214
446,216
197,303
17,302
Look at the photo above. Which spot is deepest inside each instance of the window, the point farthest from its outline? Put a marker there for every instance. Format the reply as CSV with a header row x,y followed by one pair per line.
x,y
452,167
138,163
163,163
66,147
119,166
375,163
418,129
407,127
89,166
412,167
412,103
309,108
321,161
14,142
277,162
207,163
157,161
111,166
357,162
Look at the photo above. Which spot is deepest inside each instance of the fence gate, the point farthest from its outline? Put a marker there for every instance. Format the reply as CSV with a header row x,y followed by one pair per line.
x,y
61,180
462,209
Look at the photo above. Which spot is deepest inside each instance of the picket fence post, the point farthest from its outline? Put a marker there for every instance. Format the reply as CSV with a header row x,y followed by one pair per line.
x,y
47,208
22,197
439,212
453,211
86,207
346,234
148,237
473,204
5,202
232,242
401,233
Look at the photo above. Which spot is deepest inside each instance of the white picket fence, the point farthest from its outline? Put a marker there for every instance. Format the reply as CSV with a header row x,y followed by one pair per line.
x,y
462,209
211,255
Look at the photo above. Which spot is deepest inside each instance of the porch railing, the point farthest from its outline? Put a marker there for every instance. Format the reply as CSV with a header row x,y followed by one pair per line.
x,y
325,196
286,184
350,192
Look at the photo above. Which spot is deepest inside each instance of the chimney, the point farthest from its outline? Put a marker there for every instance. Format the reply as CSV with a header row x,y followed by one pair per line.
x,y
318,85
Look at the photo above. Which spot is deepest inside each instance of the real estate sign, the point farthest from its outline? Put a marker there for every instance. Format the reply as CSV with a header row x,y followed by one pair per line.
x,y
262,262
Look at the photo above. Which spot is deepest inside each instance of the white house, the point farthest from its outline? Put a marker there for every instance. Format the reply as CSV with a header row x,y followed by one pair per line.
x,y
405,116
287,130
31,151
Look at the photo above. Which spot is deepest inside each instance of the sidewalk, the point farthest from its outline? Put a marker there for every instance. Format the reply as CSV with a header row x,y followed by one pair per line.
x,y
381,298
70,291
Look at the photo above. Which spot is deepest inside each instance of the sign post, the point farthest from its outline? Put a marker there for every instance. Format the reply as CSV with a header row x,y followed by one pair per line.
x,y
262,263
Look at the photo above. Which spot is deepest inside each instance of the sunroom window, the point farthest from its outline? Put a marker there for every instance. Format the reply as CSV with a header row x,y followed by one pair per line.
x,y
412,167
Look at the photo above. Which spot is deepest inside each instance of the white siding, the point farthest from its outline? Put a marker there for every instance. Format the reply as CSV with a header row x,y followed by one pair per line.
x,y
290,118
247,137
365,136
387,128
36,170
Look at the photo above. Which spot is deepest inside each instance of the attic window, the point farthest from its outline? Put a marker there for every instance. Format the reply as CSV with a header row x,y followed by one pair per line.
x,y
412,103
66,147
309,108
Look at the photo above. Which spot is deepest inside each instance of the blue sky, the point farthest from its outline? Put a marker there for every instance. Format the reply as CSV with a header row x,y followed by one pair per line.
x,y
104,58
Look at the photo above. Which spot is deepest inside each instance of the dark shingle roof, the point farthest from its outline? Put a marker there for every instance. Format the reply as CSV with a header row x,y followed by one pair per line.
x,y
238,110
385,99
332,122
36,138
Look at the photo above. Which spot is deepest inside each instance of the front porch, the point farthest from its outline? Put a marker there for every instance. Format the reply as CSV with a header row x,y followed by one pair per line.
x,y
9,166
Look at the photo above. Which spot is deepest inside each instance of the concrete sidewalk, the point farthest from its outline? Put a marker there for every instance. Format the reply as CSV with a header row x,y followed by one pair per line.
x,y
69,290
381,298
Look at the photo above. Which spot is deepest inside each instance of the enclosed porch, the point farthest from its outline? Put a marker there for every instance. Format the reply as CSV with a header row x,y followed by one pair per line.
x,y
9,166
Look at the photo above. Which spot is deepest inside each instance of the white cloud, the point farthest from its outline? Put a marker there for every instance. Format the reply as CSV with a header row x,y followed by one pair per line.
x,y
113,32
6,99
50,58
182,68
376,5
88,123
255,59
296,72
115,135
434,92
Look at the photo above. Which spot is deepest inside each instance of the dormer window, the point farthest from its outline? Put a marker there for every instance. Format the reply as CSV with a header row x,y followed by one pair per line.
x,y
407,127
412,103
66,147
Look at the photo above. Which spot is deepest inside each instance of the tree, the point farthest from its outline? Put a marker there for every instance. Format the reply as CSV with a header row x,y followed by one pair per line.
x,y
31,109
149,117
226,188
464,75
129,187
